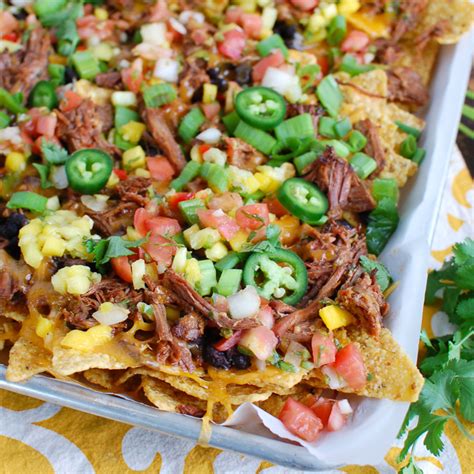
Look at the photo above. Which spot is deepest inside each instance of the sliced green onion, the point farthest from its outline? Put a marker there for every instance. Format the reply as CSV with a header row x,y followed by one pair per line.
x,y
4,120
190,125
217,178
255,197
43,171
268,45
326,127
45,7
231,121
189,172
343,127
124,115
363,165
385,188
350,65
231,260
121,143
408,129
57,73
158,95
205,170
408,147
330,95
308,75
259,139
300,126
357,141
67,36
289,148
9,101
189,210
419,156
59,12
303,161
85,64
337,30
208,277
340,147
28,200
229,281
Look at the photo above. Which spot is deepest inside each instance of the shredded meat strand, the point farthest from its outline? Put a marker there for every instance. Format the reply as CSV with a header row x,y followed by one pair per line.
x,y
243,155
190,327
406,86
374,147
110,80
193,76
134,189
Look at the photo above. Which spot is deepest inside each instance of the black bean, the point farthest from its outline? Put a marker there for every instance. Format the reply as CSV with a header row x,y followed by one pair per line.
x,y
198,94
243,74
70,75
216,358
239,361
20,14
11,225
213,72
286,30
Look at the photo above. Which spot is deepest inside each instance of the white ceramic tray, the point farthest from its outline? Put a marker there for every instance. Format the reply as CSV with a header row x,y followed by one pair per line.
x,y
406,257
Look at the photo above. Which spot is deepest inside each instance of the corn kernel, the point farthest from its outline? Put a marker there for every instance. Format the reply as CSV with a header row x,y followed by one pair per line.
x,y
216,252
239,239
53,247
87,341
335,317
251,184
209,93
44,326
15,162
132,131
134,158
101,13
330,11
204,238
346,7
113,181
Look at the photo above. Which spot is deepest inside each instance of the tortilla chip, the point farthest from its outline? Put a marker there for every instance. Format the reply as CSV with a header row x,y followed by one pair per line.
x,y
274,404
71,361
457,17
392,374
102,377
27,359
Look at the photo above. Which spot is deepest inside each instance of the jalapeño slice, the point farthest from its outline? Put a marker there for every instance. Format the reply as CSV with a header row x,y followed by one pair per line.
x,y
303,199
260,107
88,170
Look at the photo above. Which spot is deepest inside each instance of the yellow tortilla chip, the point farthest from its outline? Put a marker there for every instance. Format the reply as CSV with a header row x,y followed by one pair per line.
x,y
274,404
457,17
393,374
102,377
27,359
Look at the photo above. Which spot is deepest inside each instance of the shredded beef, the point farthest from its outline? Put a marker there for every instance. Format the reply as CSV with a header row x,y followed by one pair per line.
x,y
374,147
83,127
243,155
164,138
406,86
190,410
315,111
19,72
431,33
114,220
365,301
189,328
408,16
193,76
134,189
346,191
110,80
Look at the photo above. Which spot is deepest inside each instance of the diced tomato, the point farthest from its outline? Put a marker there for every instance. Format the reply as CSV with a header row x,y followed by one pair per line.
x,y
252,24
145,222
233,15
160,168
323,62
265,316
305,5
336,419
46,125
122,268
132,77
8,23
121,174
13,37
324,349
226,226
350,366
355,41
322,408
233,44
176,198
160,249
253,216
300,420
260,340
226,344
226,201
275,207
211,110
71,101
274,59
203,148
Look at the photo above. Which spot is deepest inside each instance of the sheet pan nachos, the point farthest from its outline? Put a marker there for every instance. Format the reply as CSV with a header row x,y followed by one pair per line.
x,y
193,196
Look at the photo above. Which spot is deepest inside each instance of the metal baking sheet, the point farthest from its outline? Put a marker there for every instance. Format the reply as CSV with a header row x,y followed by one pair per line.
x,y
419,209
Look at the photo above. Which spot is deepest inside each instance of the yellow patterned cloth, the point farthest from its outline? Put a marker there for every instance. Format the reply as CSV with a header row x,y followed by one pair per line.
x,y
44,438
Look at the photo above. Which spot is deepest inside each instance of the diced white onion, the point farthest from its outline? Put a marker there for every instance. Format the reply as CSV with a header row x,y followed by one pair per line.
x,y
187,15
97,202
115,315
138,272
124,98
284,82
154,33
345,406
334,381
177,26
53,203
294,353
59,178
167,70
211,136
244,303
261,364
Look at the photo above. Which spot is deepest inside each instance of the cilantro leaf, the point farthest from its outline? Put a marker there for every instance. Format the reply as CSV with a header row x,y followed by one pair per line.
x,y
464,277
465,307
382,274
437,392
272,233
383,221
43,171
463,251
465,381
53,153
411,468
437,280
450,300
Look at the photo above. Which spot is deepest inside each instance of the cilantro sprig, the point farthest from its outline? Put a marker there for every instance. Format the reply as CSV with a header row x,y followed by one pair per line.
x,y
448,393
